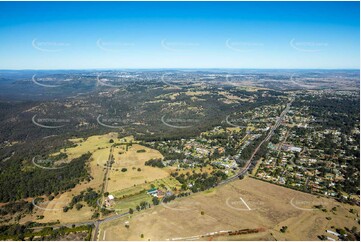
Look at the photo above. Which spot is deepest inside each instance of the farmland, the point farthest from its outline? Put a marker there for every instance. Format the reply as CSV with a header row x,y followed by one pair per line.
x,y
137,173
137,176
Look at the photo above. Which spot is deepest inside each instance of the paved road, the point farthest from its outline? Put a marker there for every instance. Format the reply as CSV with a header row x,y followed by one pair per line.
x,y
267,138
242,172
97,223
108,219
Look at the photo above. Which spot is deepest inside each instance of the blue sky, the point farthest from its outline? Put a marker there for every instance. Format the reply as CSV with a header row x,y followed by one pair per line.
x,y
82,35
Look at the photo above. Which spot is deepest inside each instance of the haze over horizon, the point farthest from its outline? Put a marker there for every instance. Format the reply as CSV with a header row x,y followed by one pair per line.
x,y
179,35
186,69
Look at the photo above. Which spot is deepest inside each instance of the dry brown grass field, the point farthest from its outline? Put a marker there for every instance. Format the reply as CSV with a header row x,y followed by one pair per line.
x,y
242,204
52,211
133,159
99,146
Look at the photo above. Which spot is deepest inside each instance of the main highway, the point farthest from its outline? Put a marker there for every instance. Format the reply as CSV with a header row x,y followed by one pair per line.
x,y
248,164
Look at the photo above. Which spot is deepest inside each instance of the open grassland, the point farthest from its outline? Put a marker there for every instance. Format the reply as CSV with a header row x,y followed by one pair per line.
x,y
249,86
123,205
196,93
237,129
242,204
99,146
232,97
173,96
127,154
168,183
206,169
137,173
90,144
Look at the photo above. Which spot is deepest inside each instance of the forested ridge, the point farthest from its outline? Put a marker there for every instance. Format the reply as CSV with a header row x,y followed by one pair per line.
x,y
18,183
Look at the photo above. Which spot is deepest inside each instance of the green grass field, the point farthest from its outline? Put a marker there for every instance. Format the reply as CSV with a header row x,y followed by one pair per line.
x,y
123,205
169,183
133,196
130,191
165,184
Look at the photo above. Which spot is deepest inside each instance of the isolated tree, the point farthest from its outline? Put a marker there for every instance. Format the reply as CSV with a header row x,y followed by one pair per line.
x,y
155,200
78,206
131,211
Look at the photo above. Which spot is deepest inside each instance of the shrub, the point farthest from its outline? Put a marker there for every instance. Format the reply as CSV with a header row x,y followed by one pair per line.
x,y
284,229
